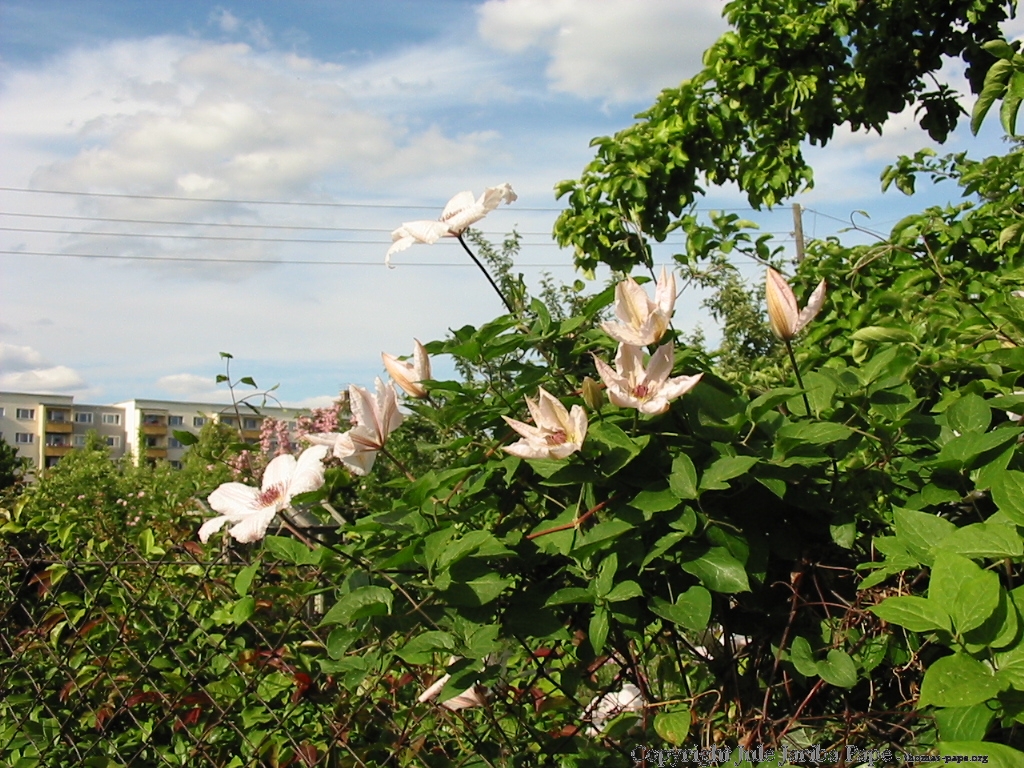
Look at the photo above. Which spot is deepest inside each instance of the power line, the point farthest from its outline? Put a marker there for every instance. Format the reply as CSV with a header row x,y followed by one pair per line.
x,y
308,203
168,236
272,262
169,222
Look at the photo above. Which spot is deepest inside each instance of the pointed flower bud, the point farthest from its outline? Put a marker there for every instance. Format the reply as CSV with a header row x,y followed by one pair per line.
x,y
784,316
593,395
409,376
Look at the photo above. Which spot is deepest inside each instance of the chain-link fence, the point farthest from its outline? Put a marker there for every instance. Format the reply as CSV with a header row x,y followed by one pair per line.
x,y
154,657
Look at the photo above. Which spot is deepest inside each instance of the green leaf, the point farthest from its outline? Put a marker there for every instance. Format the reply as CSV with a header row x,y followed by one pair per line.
x,y
569,595
477,591
683,480
624,591
244,578
673,727
420,649
879,334
957,681
291,550
719,571
723,469
969,414
964,723
838,669
655,501
966,448
995,86
995,755
361,602
915,613
802,657
598,629
918,532
606,575
984,540
1008,494
966,591
691,610
185,438
248,380
243,609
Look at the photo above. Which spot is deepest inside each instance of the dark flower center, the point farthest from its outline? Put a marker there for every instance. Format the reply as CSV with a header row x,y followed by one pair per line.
x,y
556,438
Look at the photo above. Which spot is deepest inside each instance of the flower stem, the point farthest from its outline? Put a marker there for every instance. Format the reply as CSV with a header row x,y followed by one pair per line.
x,y
799,380
394,460
487,274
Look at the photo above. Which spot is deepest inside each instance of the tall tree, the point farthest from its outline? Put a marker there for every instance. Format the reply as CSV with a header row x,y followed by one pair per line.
x,y
787,71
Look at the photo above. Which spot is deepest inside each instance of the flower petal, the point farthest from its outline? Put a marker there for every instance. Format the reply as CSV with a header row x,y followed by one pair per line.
x,y
309,471
782,306
254,526
813,307
411,232
233,500
665,293
211,526
279,471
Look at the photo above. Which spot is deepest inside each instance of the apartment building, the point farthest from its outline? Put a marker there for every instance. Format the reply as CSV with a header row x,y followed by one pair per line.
x,y
46,427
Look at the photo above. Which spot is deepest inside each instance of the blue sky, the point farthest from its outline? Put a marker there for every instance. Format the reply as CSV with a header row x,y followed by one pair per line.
x,y
360,116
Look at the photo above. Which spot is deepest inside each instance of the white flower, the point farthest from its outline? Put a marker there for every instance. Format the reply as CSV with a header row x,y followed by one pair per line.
x,y
474,696
643,321
557,432
784,316
410,375
601,709
376,418
252,510
461,211
648,390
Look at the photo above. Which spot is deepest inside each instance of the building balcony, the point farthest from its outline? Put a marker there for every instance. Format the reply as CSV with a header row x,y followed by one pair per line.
x,y
60,426
156,453
57,450
251,435
154,429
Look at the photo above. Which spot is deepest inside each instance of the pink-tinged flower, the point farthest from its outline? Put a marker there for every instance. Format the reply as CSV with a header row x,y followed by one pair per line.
x,y
556,433
649,390
474,696
250,509
375,417
784,316
643,321
409,375
461,211
601,709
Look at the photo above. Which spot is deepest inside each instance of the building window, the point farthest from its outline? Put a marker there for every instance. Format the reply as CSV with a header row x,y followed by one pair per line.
x,y
250,423
112,418
24,437
57,441
1,412
152,419
228,421
113,441
175,421
78,441
198,421
173,442
26,413
53,415
152,441
175,464
291,426
82,417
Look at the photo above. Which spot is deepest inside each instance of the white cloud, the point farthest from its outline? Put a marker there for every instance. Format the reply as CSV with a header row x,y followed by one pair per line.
x,y
59,378
16,358
186,384
618,50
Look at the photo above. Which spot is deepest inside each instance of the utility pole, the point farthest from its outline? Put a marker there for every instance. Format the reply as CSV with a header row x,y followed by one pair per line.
x,y
798,231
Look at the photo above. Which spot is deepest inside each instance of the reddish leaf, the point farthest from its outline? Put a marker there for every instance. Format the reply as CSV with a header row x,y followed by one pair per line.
x,y
194,548
188,719
42,581
142,697
102,715
308,753
88,627
66,690
303,682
